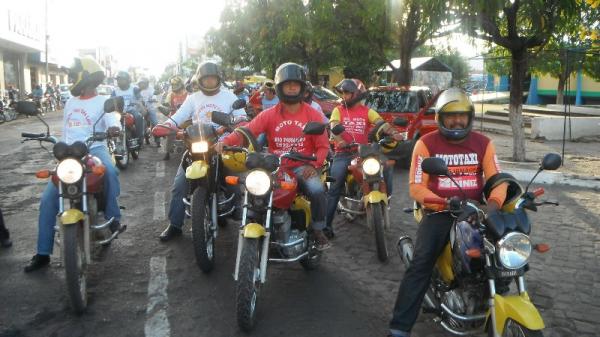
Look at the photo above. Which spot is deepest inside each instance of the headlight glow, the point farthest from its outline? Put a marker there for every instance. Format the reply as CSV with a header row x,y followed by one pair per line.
x,y
258,182
200,147
514,250
371,166
69,171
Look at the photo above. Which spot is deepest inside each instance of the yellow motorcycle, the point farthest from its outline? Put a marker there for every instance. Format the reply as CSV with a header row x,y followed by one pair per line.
x,y
469,289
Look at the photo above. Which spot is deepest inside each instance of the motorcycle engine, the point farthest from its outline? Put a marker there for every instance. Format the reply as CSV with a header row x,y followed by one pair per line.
x,y
467,300
282,223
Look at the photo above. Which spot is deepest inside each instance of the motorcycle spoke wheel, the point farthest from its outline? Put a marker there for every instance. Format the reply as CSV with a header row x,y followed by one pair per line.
x,y
248,284
75,266
202,232
123,162
378,219
514,329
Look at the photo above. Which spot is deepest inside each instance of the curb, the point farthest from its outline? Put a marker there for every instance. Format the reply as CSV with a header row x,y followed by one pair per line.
x,y
551,177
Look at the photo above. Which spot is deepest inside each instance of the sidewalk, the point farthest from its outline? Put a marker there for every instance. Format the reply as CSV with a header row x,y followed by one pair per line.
x,y
581,163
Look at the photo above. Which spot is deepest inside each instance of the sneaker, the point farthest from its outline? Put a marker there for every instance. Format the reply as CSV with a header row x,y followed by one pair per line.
x,y
169,233
321,240
37,261
117,226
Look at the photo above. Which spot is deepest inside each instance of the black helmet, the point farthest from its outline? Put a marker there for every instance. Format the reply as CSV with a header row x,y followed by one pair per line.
x,y
85,71
290,72
123,75
454,101
205,69
309,92
354,86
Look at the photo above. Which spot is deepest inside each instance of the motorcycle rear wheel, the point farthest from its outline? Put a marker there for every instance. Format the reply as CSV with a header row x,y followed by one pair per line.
x,y
75,266
248,285
378,221
124,161
514,329
203,237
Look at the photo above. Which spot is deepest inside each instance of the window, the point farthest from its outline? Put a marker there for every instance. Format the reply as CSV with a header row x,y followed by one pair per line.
x,y
393,101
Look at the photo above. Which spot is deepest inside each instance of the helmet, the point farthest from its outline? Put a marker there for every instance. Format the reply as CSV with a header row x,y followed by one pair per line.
x,y
143,81
176,83
354,86
309,92
290,72
513,192
84,72
376,134
123,75
205,69
454,101
238,87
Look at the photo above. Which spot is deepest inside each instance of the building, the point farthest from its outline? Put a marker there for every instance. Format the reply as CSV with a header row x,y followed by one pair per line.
x,y
426,71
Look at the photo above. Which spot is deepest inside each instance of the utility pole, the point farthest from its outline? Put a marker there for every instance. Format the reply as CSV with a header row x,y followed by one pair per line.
x,y
46,35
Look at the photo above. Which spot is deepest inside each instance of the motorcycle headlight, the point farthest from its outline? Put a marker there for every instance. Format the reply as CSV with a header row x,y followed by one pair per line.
x,y
200,147
371,166
258,182
69,171
513,250
117,115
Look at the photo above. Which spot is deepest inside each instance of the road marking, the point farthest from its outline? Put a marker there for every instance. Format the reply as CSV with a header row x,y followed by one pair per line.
x,y
159,205
160,169
157,322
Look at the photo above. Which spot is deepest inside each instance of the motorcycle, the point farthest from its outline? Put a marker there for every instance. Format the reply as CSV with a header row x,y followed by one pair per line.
x,y
171,145
126,144
274,227
485,253
365,191
48,103
79,179
208,202
7,113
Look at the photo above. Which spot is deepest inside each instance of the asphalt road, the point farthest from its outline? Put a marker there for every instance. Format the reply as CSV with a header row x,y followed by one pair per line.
x,y
351,295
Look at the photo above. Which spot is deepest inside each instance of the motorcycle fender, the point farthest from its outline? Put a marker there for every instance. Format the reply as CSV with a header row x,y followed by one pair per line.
x,y
196,170
71,217
375,197
254,231
518,308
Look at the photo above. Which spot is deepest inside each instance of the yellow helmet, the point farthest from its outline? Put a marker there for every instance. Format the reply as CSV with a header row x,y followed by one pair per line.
x,y
84,72
176,83
514,190
454,101
376,134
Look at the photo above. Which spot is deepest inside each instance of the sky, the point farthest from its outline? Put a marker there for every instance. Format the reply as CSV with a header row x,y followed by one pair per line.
x,y
142,33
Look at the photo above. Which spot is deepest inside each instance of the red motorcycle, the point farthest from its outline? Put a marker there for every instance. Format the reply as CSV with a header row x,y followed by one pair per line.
x,y
126,144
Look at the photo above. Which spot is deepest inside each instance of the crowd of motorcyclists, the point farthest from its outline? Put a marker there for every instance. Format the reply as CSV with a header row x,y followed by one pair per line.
x,y
273,120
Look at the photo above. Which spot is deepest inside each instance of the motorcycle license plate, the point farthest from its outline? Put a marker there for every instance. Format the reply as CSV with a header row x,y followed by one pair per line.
x,y
508,273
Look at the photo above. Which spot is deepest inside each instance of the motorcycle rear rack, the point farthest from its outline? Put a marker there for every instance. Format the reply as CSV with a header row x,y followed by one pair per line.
x,y
294,259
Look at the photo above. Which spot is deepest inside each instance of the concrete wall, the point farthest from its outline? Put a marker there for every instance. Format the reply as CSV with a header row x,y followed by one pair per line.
x,y
547,85
551,128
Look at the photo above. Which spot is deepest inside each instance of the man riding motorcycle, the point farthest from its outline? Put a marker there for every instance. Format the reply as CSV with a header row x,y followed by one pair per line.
x,y
196,107
173,101
471,157
147,95
80,114
131,96
282,124
357,120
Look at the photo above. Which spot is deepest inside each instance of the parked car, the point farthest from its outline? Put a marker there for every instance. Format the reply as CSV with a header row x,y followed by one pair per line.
x,y
64,93
414,104
326,98
105,90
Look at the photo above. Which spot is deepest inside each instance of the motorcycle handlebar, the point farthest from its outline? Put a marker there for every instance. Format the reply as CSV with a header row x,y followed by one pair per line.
x,y
299,157
32,135
235,149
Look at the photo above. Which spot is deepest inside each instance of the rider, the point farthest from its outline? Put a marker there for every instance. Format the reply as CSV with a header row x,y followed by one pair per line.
x,y
37,95
308,98
283,125
174,100
471,157
80,114
265,97
357,120
131,96
50,91
239,89
147,95
196,107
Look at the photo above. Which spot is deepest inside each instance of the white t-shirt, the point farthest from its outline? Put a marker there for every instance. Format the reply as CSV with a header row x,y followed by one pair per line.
x,y
128,97
197,107
79,118
317,107
148,95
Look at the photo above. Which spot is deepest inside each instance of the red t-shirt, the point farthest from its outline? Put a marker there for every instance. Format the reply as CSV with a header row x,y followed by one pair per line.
x,y
284,132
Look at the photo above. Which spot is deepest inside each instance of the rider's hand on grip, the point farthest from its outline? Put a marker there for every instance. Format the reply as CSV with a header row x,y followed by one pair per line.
x,y
162,130
454,204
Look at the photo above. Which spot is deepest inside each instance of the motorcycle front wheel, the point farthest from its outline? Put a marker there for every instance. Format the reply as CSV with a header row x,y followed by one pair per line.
x,y
203,236
378,220
514,329
121,144
75,266
248,284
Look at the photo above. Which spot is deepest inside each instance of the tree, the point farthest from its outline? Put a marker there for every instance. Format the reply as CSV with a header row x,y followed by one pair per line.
x,y
520,27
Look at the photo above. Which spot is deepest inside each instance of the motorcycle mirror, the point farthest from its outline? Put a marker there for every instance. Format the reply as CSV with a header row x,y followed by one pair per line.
x,y
398,121
338,129
27,108
114,104
238,104
551,161
435,166
314,128
221,118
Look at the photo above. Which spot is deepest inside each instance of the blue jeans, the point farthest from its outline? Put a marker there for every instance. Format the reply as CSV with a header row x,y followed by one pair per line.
x,y
49,205
338,171
152,116
178,192
315,192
